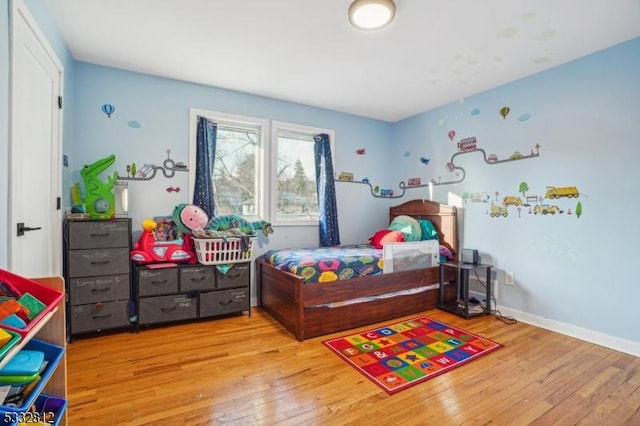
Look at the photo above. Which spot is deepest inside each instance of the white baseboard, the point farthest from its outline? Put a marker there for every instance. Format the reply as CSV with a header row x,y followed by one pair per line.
x,y
611,342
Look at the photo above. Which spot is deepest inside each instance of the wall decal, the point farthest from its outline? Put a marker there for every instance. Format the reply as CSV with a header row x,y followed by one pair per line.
x,y
524,117
360,151
148,172
413,181
173,189
451,134
475,111
134,124
424,160
346,177
407,153
504,111
108,109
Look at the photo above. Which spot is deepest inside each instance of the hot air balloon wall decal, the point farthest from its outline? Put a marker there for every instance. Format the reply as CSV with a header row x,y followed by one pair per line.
x,y
108,109
504,111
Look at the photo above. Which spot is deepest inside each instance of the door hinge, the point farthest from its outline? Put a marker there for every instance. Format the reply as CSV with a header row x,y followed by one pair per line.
x,y
59,102
58,203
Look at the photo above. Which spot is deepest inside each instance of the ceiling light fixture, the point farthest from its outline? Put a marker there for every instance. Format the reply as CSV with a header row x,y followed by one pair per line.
x,y
371,14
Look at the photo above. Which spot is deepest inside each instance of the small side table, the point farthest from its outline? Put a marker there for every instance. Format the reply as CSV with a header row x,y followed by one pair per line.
x,y
462,289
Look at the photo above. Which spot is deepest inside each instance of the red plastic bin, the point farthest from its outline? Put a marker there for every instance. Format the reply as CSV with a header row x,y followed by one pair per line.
x,y
20,285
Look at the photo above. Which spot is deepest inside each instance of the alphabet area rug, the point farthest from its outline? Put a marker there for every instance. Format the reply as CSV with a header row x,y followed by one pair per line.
x,y
405,353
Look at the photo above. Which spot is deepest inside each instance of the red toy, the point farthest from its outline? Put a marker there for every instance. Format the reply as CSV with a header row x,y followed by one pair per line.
x,y
149,249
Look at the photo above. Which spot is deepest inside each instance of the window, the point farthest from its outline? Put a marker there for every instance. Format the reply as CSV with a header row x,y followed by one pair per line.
x,y
238,165
260,177
294,196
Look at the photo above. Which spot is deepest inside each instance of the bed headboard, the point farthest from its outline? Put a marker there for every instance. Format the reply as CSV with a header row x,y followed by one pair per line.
x,y
444,218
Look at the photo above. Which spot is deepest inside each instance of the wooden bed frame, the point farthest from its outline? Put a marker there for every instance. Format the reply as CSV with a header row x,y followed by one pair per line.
x,y
293,303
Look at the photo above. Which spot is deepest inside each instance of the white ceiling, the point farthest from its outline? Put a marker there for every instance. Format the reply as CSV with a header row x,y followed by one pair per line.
x,y
305,51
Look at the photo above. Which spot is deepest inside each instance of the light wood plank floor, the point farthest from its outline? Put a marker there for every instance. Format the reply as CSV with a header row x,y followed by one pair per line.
x,y
249,371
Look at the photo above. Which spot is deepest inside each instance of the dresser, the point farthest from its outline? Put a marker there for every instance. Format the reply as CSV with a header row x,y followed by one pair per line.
x,y
189,292
97,274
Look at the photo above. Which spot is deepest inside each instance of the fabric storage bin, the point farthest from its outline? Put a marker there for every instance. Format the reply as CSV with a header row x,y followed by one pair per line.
x,y
194,278
99,316
48,296
98,234
94,262
167,308
157,281
214,303
53,354
237,276
98,289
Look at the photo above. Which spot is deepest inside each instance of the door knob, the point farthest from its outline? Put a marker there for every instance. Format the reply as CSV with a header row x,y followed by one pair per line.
x,y
22,229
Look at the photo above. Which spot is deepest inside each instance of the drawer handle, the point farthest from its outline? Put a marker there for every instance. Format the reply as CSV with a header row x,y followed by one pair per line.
x,y
101,317
100,262
197,280
100,290
100,235
167,310
159,282
225,303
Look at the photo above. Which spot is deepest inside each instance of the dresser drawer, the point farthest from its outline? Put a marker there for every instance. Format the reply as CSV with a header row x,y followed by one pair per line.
x,y
99,316
194,278
224,302
94,262
157,281
237,276
167,308
98,234
99,289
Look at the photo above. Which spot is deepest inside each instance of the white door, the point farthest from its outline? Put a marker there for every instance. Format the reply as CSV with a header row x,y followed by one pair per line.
x,y
34,150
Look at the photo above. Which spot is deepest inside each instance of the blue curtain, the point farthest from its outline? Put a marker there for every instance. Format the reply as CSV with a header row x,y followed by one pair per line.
x,y
205,157
329,233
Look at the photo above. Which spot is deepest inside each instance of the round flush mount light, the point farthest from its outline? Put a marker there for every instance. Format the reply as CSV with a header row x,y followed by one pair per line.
x,y
371,14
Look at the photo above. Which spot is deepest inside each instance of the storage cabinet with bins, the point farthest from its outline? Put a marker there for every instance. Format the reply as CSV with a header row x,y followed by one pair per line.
x,y
97,274
47,335
188,292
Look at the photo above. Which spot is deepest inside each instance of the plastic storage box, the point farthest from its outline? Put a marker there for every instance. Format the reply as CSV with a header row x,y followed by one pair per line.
x,y
20,285
53,354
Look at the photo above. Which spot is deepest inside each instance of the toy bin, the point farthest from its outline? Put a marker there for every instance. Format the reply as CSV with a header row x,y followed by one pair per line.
x,y
53,355
48,296
48,409
221,251
15,339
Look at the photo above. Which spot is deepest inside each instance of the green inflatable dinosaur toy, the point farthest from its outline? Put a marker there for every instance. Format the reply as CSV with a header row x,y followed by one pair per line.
x,y
99,198
232,221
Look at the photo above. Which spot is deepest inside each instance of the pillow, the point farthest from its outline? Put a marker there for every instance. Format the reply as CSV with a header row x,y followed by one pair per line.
x,y
384,236
408,226
429,231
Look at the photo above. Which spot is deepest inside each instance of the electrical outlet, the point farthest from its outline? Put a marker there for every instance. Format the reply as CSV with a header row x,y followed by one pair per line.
x,y
509,278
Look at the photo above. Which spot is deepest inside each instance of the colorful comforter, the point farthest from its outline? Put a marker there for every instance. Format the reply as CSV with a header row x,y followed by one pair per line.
x,y
318,265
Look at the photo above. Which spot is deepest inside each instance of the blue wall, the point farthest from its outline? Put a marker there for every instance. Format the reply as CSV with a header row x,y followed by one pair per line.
x,y
584,116
161,107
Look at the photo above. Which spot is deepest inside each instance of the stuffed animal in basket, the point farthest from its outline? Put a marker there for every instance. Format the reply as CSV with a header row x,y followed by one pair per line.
x,y
191,219
194,223
149,249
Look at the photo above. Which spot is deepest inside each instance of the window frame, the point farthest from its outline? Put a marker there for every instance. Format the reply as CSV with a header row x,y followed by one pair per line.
x,y
277,126
267,158
222,118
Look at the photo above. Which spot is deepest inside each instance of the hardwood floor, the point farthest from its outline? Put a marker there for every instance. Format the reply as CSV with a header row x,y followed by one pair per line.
x,y
249,371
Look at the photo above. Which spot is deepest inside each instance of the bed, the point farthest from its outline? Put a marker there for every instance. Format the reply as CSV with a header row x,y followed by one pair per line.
x,y
310,310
